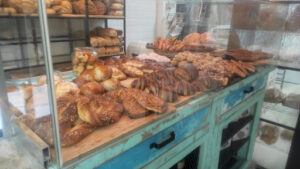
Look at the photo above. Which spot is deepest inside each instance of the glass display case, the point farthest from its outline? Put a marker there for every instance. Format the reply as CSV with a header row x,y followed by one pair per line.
x,y
81,77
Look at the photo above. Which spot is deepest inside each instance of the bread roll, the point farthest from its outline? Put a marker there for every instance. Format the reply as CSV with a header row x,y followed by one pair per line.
x,y
116,13
49,4
80,81
66,88
107,41
116,41
100,6
78,69
23,6
111,84
7,11
102,73
91,88
79,7
97,41
108,32
50,11
88,75
100,51
64,8
116,6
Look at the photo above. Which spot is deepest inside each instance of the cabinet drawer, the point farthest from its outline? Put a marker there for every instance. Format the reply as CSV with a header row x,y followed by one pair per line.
x,y
237,96
156,145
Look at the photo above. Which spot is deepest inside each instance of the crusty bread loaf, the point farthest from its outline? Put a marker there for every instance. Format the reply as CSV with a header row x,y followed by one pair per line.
x,y
50,11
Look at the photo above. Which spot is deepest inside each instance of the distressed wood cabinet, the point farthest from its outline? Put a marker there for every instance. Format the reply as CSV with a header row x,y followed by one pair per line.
x,y
198,124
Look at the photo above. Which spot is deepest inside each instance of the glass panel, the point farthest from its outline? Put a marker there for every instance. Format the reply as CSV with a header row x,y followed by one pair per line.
x,y
25,107
120,66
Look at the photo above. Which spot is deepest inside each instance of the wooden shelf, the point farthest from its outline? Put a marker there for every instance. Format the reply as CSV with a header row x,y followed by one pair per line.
x,y
65,16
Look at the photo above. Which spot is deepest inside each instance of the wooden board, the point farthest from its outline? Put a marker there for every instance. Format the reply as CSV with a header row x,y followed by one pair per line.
x,y
105,135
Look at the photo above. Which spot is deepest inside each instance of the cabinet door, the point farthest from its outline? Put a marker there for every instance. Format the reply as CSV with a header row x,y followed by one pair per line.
x,y
237,135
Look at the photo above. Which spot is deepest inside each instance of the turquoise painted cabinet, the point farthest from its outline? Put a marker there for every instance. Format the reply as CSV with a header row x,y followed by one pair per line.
x,y
199,124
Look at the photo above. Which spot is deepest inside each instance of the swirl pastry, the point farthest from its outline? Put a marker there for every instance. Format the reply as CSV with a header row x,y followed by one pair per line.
x,y
151,102
134,109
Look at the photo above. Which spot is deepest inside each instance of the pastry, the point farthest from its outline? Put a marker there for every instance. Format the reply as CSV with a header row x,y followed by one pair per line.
x,y
88,75
80,81
78,69
102,73
186,72
139,83
66,88
99,111
111,84
128,82
134,109
118,74
184,88
131,70
91,88
108,32
151,102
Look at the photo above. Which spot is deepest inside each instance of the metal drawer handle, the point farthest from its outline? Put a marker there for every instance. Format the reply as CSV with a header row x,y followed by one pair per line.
x,y
249,90
164,143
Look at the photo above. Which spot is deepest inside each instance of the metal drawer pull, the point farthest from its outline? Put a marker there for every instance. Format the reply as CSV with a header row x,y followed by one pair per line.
x,y
164,143
249,90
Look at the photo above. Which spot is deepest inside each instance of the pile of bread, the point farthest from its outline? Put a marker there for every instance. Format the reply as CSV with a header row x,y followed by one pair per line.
x,y
106,41
194,41
84,105
95,7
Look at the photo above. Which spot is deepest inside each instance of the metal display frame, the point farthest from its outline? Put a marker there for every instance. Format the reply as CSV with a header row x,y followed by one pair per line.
x,y
35,40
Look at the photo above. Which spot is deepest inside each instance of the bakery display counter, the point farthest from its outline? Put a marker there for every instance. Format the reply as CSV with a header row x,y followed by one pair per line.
x,y
131,134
